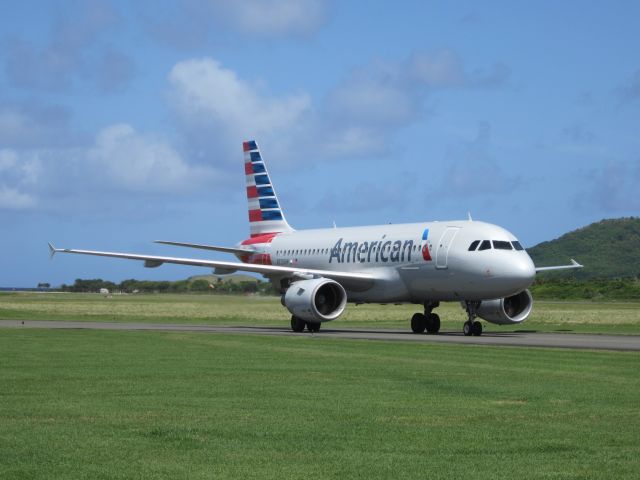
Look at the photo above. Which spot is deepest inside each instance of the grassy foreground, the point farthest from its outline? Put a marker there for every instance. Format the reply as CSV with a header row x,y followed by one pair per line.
x,y
87,404
594,317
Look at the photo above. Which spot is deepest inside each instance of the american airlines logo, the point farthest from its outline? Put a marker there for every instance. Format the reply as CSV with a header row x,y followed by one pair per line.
x,y
375,251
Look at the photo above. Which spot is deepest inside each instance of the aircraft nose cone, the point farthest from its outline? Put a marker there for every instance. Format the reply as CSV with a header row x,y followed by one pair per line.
x,y
523,271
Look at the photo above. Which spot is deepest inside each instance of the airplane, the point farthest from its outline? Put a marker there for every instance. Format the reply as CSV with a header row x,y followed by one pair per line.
x,y
480,265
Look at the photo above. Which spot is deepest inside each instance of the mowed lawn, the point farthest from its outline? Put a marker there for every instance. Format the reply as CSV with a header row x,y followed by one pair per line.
x,y
107,404
595,317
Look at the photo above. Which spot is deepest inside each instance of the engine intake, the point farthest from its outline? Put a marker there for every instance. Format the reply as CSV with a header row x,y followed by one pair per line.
x,y
315,300
507,311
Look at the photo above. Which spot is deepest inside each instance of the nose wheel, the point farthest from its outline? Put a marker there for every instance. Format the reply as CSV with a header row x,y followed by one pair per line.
x,y
472,326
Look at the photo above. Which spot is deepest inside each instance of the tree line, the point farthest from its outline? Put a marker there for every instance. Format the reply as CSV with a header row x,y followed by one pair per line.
x,y
542,289
592,289
181,286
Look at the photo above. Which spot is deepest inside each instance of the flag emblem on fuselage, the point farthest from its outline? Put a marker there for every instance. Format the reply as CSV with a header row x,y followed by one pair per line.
x,y
425,246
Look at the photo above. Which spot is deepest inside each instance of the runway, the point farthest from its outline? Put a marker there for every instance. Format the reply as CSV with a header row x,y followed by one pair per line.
x,y
511,339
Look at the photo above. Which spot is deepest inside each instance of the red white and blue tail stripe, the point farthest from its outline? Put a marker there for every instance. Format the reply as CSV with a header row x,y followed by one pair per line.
x,y
265,214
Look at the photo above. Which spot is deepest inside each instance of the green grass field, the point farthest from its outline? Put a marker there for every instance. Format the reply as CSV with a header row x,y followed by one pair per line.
x,y
107,404
594,317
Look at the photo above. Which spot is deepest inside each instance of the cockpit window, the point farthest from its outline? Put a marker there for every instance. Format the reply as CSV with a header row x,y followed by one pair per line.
x,y
517,245
474,245
502,245
485,245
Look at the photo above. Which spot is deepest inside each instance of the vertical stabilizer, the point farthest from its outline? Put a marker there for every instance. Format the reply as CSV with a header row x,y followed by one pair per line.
x,y
265,214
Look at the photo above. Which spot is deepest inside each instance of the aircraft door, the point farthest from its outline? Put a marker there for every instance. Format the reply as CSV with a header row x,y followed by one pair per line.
x,y
442,251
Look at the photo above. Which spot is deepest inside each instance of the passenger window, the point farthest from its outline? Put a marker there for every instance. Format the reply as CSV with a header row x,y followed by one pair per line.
x,y
502,245
485,245
517,245
474,245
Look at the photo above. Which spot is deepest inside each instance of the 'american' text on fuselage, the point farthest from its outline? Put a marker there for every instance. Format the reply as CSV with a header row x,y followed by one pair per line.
x,y
375,251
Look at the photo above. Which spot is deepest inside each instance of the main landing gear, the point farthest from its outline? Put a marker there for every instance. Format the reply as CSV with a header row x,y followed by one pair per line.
x,y
298,324
428,320
472,326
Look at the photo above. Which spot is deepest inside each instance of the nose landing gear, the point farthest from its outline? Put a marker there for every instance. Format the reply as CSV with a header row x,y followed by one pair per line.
x,y
428,320
472,326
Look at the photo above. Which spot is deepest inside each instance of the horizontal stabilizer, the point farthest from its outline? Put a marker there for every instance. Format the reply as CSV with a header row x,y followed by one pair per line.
x,y
574,264
235,251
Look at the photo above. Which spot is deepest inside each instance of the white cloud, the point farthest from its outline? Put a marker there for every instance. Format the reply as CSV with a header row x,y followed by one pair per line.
x,y
17,176
141,163
12,199
218,109
193,23
439,69
8,159
70,51
120,160
445,69
217,106
272,17
364,111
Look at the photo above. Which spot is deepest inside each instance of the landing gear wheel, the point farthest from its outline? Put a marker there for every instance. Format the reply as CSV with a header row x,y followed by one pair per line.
x,y
471,327
467,329
297,324
433,323
418,323
476,329
313,327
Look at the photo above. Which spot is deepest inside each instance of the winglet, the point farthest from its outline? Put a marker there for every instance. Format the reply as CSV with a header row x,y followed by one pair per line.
x,y
574,264
52,251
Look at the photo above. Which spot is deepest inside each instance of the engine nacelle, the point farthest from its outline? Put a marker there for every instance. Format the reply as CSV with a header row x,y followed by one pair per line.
x,y
315,300
507,311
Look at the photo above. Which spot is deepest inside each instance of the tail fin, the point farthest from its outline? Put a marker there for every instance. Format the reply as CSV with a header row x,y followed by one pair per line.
x,y
265,214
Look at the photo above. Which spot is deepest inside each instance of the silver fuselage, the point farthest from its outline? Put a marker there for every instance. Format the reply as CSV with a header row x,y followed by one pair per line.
x,y
412,266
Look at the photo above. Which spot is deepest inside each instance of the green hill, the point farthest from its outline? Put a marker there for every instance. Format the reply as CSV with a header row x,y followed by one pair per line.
x,y
607,249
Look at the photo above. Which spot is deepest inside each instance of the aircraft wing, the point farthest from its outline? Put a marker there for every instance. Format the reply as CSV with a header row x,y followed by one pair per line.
x,y
360,280
574,264
235,251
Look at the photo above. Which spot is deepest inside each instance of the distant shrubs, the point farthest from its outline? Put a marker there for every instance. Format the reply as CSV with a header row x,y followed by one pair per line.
x,y
543,288
180,286
598,289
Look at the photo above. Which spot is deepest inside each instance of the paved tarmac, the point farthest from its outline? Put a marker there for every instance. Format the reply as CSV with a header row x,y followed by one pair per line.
x,y
511,339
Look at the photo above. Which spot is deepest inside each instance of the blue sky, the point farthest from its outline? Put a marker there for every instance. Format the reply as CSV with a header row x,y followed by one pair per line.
x,y
122,122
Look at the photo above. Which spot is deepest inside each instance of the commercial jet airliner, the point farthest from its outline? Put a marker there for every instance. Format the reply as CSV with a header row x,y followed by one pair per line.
x,y
480,265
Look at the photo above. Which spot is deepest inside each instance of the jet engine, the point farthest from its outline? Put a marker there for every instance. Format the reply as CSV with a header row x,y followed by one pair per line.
x,y
315,300
507,311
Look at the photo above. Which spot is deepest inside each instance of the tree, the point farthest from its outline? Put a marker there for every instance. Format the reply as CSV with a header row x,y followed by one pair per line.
x,y
199,286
